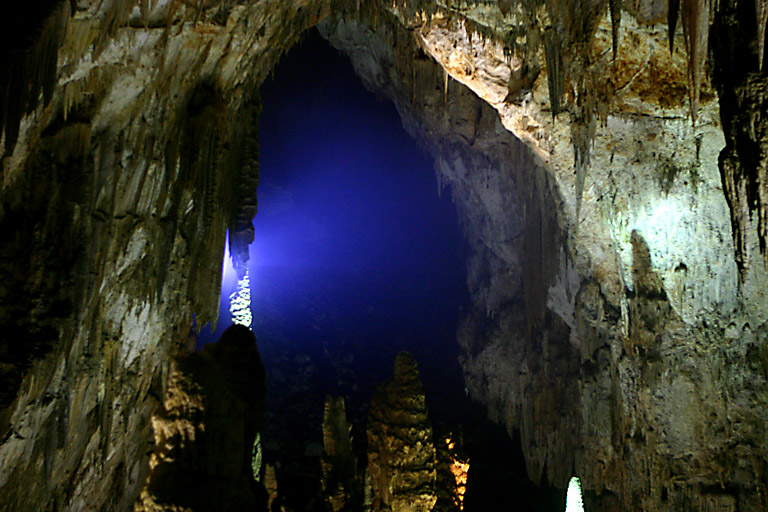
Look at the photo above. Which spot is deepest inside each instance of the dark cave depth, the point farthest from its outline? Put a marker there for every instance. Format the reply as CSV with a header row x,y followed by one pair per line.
x,y
356,257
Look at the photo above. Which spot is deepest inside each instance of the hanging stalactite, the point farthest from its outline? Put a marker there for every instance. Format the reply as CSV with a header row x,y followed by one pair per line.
x,y
761,10
555,72
244,165
673,12
696,15
615,8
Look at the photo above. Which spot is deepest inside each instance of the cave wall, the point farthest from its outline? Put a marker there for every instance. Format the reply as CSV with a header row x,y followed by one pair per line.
x,y
116,197
617,322
614,330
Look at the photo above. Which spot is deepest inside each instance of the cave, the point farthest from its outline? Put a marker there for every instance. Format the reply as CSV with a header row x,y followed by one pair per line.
x,y
605,163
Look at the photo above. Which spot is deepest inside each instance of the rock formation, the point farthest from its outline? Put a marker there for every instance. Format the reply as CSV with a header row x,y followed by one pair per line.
x,y
401,453
212,412
611,184
452,471
342,487
554,343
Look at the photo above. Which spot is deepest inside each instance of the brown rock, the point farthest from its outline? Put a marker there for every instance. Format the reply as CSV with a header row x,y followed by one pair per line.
x,y
213,408
341,483
401,455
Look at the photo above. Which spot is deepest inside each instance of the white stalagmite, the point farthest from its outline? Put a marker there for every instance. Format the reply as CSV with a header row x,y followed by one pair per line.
x,y
240,302
573,496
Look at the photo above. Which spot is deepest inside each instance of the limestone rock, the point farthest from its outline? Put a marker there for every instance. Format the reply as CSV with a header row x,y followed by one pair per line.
x,y
452,471
562,343
113,238
212,411
401,454
342,487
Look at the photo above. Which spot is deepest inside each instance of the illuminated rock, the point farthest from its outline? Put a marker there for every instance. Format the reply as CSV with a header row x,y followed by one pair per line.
x,y
204,437
401,455
240,302
573,501
452,471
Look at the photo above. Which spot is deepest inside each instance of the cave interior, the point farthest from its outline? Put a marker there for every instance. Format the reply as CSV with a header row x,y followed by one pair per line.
x,y
416,255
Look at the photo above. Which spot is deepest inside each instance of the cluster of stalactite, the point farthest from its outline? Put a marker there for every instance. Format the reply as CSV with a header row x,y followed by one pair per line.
x,y
577,86
245,165
565,34
742,86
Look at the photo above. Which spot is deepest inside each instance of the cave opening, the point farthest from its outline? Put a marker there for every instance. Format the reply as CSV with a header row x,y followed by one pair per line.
x,y
358,255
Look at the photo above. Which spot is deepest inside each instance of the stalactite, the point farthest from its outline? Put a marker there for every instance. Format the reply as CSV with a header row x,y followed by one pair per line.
x,y
673,11
115,16
201,146
244,164
743,95
15,99
696,19
210,168
44,72
445,85
582,133
761,9
615,8
144,10
80,36
555,72
31,72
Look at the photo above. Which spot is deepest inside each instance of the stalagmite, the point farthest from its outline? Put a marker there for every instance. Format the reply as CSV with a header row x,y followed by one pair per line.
x,y
240,302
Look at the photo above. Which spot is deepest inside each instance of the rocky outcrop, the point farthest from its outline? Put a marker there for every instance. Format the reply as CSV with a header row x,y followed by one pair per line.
x,y
452,471
401,453
204,437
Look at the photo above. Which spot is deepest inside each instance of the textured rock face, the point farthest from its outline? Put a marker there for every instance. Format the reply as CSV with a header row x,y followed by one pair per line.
x,y
115,201
401,454
611,331
609,323
213,409
342,487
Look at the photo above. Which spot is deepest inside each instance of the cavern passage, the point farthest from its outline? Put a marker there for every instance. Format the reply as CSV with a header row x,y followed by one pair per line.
x,y
611,187
340,287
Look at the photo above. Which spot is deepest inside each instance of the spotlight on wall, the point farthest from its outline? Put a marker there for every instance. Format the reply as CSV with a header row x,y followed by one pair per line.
x,y
240,302
573,501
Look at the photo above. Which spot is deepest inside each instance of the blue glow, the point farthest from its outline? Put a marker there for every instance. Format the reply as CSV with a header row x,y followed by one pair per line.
x,y
352,242
355,258
350,225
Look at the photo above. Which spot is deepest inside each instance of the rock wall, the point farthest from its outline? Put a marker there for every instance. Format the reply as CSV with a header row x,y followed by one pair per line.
x,y
117,190
610,326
